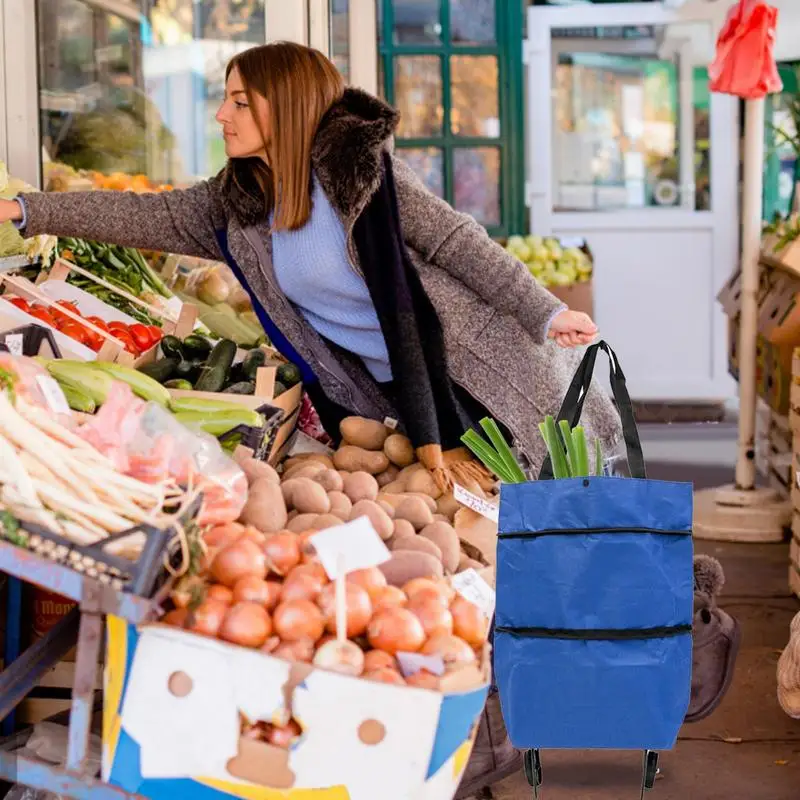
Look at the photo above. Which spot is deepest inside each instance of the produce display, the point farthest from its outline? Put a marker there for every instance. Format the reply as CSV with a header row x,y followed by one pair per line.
x,y
61,178
136,339
549,262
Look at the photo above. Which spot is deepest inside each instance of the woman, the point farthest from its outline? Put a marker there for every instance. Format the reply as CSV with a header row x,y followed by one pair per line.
x,y
392,304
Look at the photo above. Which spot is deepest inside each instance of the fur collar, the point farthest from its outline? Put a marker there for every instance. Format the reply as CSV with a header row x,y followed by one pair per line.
x,y
346,156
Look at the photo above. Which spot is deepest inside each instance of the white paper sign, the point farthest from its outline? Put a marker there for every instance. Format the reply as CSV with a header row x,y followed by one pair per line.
x,y
354,545
14,344
483,507
475,589
174,306
412,663
52,394
391,423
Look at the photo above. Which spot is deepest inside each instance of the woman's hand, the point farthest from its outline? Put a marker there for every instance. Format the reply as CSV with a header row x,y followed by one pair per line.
x,y
572,328
10,211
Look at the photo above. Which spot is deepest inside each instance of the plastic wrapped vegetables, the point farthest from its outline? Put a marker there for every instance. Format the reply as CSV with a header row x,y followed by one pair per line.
x,y
11,241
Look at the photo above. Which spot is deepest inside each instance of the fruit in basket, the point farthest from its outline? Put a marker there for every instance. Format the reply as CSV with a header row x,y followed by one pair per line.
x,y
549,262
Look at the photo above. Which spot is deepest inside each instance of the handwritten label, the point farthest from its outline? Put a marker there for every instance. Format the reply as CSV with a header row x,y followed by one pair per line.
x,y
391,423
346,548
470,585
53,395
412,663
14,344
478,504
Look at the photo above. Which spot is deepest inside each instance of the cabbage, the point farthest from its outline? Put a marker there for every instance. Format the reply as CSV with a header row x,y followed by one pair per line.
x,y
11,243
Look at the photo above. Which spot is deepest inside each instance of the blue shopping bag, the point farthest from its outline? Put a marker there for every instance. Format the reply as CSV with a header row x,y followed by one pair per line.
x,y
593,627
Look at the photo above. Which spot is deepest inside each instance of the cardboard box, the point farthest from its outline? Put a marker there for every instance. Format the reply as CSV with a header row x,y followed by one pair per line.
x,y
578,296
172,702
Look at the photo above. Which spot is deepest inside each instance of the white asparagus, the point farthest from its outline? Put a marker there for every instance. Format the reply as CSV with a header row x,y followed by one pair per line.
x,y
62,502
42,420
39,470
14,473
41,516
77,534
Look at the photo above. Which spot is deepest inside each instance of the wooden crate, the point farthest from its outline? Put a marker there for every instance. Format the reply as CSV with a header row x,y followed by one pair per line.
x,y
57,681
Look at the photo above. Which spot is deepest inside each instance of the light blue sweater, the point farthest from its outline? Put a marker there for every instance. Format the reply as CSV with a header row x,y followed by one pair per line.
x,y
313,270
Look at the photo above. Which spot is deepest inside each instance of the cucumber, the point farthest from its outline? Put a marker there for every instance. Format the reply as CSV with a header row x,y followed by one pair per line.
x,y
289,375
161,370
188,370
171,347
242,387
78,400
214,375
252,361
179,383
197,346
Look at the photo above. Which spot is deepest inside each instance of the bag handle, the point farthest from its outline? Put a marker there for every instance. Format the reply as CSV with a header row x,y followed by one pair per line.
x,y
572,407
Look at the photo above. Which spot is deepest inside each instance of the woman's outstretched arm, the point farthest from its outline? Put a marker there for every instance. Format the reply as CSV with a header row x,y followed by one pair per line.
x,y
179,221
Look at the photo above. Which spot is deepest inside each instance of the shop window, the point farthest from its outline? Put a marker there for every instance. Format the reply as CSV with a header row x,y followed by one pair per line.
x,y
453,70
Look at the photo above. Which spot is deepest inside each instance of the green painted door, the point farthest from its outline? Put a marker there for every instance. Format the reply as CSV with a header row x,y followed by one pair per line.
x,y
453,68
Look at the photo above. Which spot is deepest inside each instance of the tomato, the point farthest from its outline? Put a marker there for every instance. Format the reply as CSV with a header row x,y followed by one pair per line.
x,y
118,326
75,331
59,316
73,307
156,334
42,315
127,341
93,340
141,336
19,302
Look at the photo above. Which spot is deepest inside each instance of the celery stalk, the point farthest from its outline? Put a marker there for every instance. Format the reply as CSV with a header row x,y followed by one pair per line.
x,y
579,440
503,450
598,458
572,453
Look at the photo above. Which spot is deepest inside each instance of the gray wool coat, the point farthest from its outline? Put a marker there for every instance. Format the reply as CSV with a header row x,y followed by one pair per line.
x,y
493,313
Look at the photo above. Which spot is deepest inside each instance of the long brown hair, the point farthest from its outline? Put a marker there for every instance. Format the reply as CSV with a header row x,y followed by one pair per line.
x,y
299,84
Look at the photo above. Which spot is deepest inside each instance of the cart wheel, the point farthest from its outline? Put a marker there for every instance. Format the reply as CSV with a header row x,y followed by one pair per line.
x,y
649,770
533,770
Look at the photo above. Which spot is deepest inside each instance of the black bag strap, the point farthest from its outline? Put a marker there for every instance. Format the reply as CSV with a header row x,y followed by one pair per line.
x,y
572,407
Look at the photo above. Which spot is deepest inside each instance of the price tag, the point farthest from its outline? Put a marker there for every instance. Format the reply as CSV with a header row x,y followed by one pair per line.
x,y
52,394
175,306
412,663
346,548
391,423
483,507
475,589
14,344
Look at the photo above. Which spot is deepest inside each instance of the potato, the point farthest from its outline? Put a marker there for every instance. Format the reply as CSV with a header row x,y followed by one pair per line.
x,y
255,469
356,459
388,475
473,553
441,518
292,515
287,488
415,511
465,563
308,470
481,533
422,482
340,505
307,458
395,499
399,450
368,434
325,521
447,505
387,507
302,523
330,480
265,508
395,487
309,497
360,486
404,565
444,536
402,527
417,544
407,472
380,520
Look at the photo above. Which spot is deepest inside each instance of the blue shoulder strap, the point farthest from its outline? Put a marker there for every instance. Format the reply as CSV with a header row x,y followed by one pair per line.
x,y
279,341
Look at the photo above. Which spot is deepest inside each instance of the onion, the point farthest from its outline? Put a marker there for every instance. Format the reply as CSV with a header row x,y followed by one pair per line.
x,y
379,659
435,617
389,597
254,535
272,644
186,590
298,619
371,579
176,617
237,560
301,650
428,587
345,657
469,622
453,651
220,535
357,606
282,552
423,680
396,630
308,553
302,584
246,624
255,590
219,592
385,676
283,736
207,618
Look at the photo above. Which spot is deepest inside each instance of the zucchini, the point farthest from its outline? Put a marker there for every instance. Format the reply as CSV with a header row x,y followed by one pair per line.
x,y
242,387
179,383
252,361
191,403
214,375
78,400
81,376
197,346
217,423
143,385
171,347
161,370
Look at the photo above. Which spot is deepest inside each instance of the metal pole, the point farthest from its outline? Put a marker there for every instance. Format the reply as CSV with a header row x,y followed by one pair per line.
x,y
751,243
